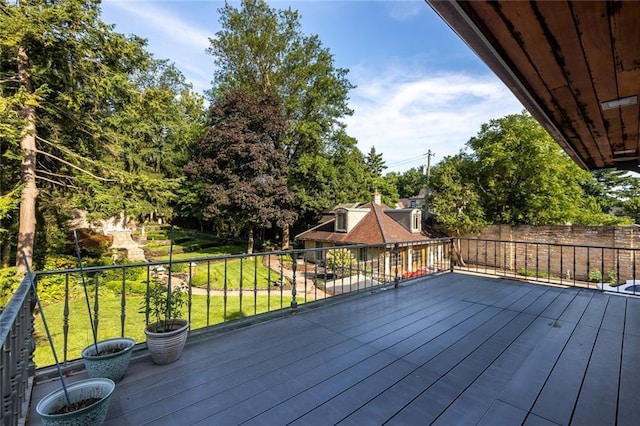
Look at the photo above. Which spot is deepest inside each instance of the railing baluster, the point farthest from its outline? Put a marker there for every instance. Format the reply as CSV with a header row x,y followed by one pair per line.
x,y
294,266
123,306
255,285
208,296
65,319
282,281
192,265
96,306
241,282
224,293
396,280
561,262
268,283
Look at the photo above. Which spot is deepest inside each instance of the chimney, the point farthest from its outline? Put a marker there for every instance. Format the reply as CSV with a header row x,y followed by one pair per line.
x,y
376,198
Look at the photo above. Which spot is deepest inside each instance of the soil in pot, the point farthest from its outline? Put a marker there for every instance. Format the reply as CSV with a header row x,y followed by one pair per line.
x,y
87,405
75,406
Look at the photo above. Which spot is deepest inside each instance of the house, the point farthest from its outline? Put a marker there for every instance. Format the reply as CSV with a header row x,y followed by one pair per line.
x,y
373,223
417,201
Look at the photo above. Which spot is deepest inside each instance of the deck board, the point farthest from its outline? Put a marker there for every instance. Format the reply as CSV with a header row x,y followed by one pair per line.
x,y
452,349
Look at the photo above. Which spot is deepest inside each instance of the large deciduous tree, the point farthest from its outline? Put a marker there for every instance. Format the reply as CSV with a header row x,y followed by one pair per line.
x,y
262,51
454,200
240,166
523,176
512,173
409,182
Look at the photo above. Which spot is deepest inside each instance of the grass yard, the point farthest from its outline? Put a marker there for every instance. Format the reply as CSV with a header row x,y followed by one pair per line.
x,y
80,334
254,274
225,250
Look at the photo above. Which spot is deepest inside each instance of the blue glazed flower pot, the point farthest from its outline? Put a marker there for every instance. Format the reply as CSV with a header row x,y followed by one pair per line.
x,y
111,365
84,389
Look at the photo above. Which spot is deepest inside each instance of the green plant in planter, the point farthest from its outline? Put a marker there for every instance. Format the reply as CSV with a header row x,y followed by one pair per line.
x,y
162,306
166,336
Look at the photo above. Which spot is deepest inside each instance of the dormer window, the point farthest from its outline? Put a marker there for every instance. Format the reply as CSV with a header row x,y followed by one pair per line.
x,y
341,221
416,220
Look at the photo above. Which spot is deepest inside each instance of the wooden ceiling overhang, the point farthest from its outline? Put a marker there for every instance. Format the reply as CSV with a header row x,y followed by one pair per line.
x,y
566,61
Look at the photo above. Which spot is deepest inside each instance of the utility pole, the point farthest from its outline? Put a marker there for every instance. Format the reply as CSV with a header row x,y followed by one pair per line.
x,y
427,172
428,169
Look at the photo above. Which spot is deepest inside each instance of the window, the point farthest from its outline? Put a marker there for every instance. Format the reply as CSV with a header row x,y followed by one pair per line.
x,y
397,258
416,256
415,223
341,221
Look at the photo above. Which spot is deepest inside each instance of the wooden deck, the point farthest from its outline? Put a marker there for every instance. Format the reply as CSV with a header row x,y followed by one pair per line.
x,y
454,349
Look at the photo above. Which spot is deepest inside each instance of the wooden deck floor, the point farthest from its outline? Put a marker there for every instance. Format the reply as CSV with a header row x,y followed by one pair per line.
x,y
454,349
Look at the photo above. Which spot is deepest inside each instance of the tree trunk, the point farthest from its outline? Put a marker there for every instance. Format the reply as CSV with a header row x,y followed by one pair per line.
x,y
250,239
27,225
285,237
6,252
457,253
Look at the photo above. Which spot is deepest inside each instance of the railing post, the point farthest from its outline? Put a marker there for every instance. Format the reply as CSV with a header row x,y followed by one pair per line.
x,y
396,249
451,254
294,267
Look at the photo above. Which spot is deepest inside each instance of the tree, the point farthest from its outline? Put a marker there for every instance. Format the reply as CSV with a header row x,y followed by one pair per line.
x,y
375,162
240,165
607,187
61,65
512,173
410,182
454,201
262,51
79,90
522,176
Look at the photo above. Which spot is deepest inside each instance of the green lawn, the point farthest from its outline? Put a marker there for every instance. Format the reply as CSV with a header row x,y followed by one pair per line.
x,y
80,334
205,252
254,274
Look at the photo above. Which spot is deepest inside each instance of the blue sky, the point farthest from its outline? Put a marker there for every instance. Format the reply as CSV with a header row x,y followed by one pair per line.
x,y
419,86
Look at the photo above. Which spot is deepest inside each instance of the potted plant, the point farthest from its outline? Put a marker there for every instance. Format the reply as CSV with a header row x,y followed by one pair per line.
x,y
107,358
83,403
167,335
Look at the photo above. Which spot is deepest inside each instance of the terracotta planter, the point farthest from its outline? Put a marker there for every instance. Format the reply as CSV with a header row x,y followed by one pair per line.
x,y
92,415
112,365
166,347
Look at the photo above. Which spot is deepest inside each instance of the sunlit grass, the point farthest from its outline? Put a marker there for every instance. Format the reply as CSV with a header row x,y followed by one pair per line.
x,y
226,250
254,274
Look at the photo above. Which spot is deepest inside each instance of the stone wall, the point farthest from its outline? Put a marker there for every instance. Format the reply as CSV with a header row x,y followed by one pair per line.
x,y
570,252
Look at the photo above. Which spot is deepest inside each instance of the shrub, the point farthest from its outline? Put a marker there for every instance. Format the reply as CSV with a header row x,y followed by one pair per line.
x,y
533,273
286,261
595,276
9,282
338,259
612,277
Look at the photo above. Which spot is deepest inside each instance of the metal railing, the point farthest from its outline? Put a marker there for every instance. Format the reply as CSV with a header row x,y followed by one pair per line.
x,y
16,335
612,269
220,289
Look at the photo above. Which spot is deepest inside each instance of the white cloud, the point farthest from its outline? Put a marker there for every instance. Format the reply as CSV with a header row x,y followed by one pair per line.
x,y
172,26
403,114
403,10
